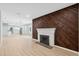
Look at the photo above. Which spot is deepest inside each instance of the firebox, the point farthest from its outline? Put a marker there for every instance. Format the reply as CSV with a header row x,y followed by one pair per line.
x,y
44,39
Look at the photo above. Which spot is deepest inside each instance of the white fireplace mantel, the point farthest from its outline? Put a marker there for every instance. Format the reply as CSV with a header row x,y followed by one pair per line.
x,y
47,31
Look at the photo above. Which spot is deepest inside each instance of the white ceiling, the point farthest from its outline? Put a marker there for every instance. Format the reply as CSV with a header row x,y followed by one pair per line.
x,y
23,13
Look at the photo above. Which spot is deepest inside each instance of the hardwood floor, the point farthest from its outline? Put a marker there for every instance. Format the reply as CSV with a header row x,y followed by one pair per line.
x,y
17,45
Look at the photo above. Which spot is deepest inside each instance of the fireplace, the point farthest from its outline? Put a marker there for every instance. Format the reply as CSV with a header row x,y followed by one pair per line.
x,y
46,36
44,39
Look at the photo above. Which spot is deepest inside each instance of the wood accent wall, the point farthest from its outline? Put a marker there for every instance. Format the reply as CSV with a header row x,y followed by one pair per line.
x,y
66,23
78,27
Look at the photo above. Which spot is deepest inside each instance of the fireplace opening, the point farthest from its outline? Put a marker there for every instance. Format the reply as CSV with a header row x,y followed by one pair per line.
x,y
44,39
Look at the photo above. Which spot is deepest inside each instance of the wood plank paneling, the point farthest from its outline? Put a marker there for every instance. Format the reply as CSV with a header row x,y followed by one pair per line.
x,y
66,23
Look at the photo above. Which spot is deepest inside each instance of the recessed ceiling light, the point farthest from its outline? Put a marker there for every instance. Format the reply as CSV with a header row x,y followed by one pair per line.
x,y
18,13
28,16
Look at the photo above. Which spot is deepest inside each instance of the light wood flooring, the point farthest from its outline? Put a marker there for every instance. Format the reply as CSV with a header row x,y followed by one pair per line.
x,y
17,45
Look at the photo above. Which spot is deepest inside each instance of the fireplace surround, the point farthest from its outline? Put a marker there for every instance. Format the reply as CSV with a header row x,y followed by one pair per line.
x,y
46,36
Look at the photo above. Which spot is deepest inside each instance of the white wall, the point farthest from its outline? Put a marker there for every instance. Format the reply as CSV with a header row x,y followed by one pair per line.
x,y
27,29
0,26
4,29
16,30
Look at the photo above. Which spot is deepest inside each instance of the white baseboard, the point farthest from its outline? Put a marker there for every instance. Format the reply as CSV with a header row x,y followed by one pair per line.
x,y
78,53
67,49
